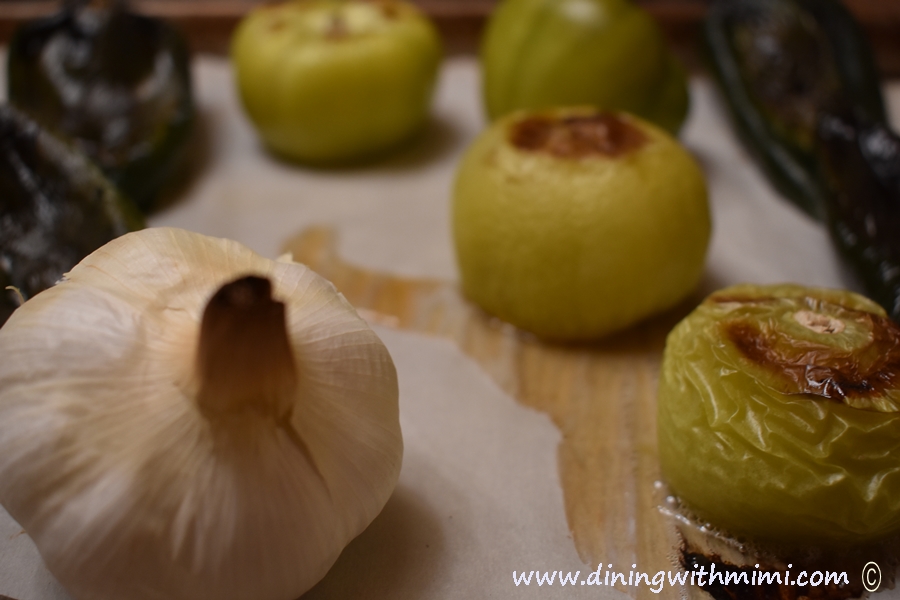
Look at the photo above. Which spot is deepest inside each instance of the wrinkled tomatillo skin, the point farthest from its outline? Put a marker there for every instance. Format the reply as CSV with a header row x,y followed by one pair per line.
x,y
779,415
573,223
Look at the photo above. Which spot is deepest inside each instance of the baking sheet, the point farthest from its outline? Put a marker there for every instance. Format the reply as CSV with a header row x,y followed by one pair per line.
x,y
479,493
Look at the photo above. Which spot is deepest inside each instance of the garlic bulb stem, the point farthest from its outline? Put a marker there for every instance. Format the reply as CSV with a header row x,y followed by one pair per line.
x,y
244,359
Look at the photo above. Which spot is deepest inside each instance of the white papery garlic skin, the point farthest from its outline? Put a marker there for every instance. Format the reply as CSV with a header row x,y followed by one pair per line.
x,y
129,489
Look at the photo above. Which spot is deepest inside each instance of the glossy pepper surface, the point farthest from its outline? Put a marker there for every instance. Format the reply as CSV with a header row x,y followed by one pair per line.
x,y
860,165
779,415
780,63
116,83
56,207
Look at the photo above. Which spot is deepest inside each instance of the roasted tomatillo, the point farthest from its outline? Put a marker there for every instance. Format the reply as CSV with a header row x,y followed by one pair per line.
x,y
779,415
574,223
605,53
332,81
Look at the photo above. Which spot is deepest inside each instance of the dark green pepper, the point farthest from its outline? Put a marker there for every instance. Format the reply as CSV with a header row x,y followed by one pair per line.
x,y
802,86
779,63
56,207
860,166
116,83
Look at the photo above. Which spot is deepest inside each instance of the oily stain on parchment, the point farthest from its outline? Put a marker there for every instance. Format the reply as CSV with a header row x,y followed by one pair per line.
x,y
602,397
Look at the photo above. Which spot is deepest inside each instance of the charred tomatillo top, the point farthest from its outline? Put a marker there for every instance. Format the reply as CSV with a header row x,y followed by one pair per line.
x,y
605,53
332,81
573,223
779,415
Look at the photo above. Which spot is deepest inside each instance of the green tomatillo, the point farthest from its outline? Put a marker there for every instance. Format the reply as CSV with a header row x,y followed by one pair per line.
x,y
605,53
779,415
328,81
574,223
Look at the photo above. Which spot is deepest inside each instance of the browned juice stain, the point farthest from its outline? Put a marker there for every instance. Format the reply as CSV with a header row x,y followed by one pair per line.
x,y
602,397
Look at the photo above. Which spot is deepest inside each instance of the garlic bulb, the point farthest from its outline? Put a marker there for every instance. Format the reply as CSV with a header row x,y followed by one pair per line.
x,y
152,457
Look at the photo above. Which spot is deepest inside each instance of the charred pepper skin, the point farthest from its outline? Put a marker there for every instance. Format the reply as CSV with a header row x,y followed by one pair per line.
x,y
116,83
860,166
778,64
56,207
804,93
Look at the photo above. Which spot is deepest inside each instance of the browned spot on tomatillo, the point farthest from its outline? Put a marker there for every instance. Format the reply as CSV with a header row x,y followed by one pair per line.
x,y
337,27
577,136
390,10
806,366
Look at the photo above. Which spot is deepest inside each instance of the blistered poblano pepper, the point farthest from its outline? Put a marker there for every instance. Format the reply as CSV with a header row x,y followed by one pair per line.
x,y
779,415
860,165
116,83
804,92
779,64
56,207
